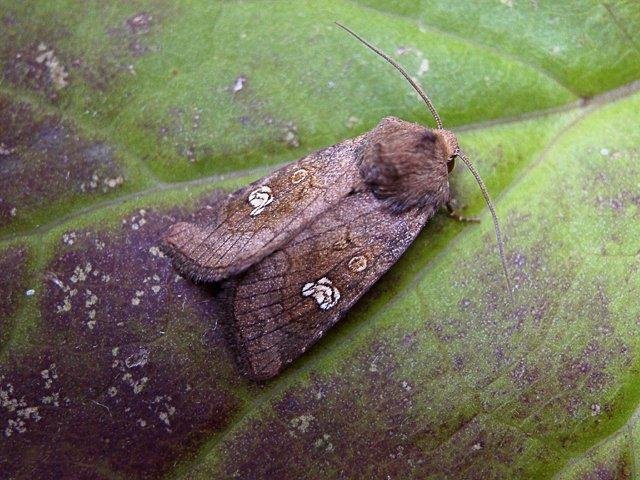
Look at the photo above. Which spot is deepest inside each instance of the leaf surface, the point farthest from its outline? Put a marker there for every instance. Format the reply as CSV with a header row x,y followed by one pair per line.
x,y
118,119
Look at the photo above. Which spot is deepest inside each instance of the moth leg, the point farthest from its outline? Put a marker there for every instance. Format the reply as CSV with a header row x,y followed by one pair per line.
x,y
455,214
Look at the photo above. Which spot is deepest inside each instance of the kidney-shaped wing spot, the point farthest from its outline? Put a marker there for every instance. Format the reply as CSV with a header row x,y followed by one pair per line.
x,y
284,303
323,291
258,219
259,199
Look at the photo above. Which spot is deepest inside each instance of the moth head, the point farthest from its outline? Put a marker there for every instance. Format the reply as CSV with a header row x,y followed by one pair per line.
x,y
451,147
406,165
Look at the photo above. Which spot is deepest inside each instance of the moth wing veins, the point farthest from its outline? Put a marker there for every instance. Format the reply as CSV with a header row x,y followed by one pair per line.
x,y
287,301
260,218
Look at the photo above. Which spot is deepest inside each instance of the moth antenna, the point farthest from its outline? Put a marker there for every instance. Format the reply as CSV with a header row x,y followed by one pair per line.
x,y
411,81
459,153
494,216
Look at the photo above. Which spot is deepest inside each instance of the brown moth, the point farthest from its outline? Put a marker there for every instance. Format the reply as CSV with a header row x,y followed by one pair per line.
x,y
302,245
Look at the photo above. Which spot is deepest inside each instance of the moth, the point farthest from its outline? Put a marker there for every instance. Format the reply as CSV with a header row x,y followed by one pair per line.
x,y
304,243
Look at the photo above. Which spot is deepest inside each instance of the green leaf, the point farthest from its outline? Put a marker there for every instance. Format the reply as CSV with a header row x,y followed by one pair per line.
x,y
118,119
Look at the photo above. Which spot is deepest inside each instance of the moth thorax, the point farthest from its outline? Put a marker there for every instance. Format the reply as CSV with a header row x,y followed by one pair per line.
x,y
450,141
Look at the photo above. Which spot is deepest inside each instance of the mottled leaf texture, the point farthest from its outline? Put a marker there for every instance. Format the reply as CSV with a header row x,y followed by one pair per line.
x,y
121,118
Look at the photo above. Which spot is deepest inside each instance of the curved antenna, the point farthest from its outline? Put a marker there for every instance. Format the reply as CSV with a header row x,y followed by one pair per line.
x,y
459,153
413,83
494,216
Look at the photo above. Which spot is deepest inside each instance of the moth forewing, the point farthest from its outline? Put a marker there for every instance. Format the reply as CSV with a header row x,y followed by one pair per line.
x,y
260,218
287,301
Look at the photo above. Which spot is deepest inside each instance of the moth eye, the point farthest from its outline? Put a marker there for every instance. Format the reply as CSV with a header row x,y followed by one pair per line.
x,y
260,198
299,175
450,164
323,292
358,263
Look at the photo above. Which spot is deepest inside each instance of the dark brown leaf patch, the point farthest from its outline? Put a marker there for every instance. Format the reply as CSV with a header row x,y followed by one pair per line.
x,y
605,189
135,371
32,56
38,67
45,161
133,32
369,422
482,448
336,427
534,388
